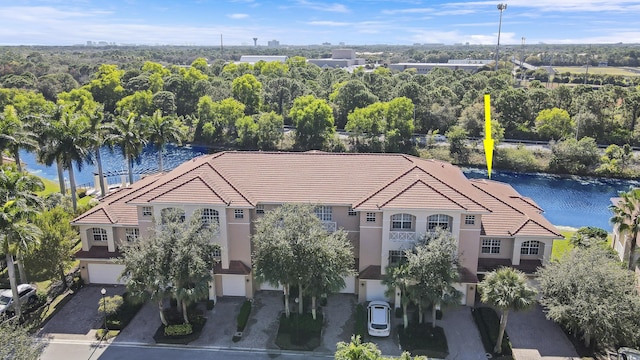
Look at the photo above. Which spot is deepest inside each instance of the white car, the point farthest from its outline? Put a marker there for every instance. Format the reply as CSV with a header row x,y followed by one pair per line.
x,y
379,318
26,292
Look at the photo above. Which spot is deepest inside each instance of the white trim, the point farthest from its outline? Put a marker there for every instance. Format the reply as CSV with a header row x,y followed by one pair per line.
x,y
370,227
239,223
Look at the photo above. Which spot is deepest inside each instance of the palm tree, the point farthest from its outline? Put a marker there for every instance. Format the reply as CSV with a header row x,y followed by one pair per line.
x,y
99,130
18,205
626,216
43,128
161,130
128,135
70,142
397,278
14,136
507,289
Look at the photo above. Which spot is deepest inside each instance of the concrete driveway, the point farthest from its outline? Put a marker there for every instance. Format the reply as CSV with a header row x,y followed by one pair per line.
x,y
462,334
79,318
534,337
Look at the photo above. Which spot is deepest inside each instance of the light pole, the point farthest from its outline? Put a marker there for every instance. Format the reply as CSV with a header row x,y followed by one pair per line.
x,y
104,307
501,7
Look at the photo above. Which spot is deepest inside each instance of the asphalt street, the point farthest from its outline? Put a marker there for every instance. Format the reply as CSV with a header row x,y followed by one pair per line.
x,y
86,350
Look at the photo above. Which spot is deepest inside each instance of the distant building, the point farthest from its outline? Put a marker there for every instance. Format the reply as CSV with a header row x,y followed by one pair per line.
x,y
252,59
340,58
423,68
273,43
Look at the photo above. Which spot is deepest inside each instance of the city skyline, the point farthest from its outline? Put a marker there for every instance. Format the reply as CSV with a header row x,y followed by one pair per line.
x,y
306,22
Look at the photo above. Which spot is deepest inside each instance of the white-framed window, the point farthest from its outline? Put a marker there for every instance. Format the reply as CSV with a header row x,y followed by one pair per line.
x,y
371,217
147,211
401,222
209,216
396,257
324,213
238,213
491,246
469,219
531,247
132,234
352,212
99,234
439,221
260,209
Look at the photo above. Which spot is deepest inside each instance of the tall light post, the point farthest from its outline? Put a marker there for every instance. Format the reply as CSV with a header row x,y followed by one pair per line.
x,y
104,307
501,7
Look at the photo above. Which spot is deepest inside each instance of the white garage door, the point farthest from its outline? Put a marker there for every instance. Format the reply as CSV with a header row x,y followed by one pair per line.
x,y
105,273
463,289
375,290
233,285
350,285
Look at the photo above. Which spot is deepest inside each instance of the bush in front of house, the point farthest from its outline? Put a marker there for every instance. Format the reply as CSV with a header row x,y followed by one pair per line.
x,y
243,316
178,330
360,327
128,308
488,324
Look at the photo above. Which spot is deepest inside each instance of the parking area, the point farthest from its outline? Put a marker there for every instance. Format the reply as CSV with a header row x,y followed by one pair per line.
x,y
79,318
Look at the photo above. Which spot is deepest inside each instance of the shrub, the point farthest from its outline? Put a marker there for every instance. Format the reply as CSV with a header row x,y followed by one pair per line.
x,y
423,339
77,283
178,330
125,312
360,327
210,304
243,316
102,334
488,325
110,304
82,193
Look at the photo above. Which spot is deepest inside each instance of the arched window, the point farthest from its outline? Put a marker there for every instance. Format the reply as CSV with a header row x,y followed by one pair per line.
x,y
531,247
172,214
439,221
98,234
402,222
209,216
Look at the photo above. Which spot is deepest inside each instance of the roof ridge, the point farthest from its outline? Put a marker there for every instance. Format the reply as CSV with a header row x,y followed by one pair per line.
x,y
385,186
500,200
95,210
230,184
427,185
171,178
453,188
528,219
197,177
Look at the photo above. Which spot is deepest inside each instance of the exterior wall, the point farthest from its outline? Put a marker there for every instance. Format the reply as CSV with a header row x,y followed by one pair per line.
x,y
86,237
506,249
370,241
239,236
468,243
146,223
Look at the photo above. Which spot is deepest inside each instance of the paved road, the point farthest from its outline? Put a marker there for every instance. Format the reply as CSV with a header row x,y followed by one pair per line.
x,y
86,350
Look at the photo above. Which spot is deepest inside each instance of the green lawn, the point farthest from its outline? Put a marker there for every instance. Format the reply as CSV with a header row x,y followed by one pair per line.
x,y
560,246
51,187
605,70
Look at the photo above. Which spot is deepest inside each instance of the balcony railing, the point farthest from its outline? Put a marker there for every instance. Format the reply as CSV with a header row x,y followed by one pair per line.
x,y
329,226
402,236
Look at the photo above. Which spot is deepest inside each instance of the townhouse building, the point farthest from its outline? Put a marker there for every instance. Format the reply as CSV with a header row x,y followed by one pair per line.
x,y
385,202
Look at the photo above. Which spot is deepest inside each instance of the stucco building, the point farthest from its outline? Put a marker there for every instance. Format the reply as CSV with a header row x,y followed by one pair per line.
x,y
385,202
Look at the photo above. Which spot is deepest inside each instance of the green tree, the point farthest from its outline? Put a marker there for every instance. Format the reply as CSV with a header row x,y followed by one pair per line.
x,y
457,137
399,115
162,130
554,124
588,236
592,296
506,289
313,120
106,86
398,278
53,255
140,102
349,96
626,217
434,266
292,247
248,90
269,130
14,135
17,343
357,350
110,304
365,125
247,129
574,157
175,260
128,134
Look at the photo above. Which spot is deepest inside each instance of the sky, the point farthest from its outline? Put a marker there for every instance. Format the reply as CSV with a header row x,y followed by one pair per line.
x,y
307,22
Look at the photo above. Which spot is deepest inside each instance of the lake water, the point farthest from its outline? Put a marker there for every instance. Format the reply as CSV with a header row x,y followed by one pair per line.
x,y
569,201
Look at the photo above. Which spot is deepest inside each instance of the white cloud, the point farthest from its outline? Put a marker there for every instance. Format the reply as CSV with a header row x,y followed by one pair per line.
x,y
335,7
408,11
328,23
238,16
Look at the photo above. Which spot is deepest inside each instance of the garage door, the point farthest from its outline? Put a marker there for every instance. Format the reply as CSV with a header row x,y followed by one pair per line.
x,y
463,289
233,285
105,273
350,285
375,290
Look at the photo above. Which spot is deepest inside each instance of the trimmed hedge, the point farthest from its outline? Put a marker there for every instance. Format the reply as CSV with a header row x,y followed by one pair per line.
x,y
243,316
488,324
177,330
360,327
423,339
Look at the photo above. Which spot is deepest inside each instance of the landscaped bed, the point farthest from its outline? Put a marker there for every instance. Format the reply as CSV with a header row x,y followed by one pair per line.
x,y
488,324
299,332
177,332
423,339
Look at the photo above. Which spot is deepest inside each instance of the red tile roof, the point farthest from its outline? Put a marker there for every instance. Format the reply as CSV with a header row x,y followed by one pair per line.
x,y
368,182
97,252
236,267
